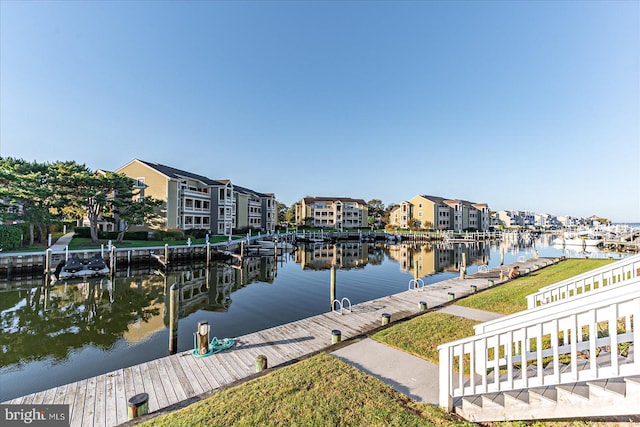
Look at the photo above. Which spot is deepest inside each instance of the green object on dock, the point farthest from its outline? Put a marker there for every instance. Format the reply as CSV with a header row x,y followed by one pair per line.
x,y
215,346
261,362
138,406
386,319
336,336
452,296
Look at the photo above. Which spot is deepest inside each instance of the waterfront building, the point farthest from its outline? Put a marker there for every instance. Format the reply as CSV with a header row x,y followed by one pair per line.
x,y
332,212
439,213
255,210
192,201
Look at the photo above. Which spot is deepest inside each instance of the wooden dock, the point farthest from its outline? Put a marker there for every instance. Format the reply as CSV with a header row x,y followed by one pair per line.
x,y
183,378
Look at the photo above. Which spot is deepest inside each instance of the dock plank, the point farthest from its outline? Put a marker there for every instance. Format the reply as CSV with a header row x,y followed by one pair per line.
x,y
167,382
120,396
99,417
189,375
174,379
153,383
110,407
88,412
77,414
148,386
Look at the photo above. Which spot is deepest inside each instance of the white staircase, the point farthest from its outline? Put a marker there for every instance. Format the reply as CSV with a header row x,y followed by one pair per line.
x,y
577,352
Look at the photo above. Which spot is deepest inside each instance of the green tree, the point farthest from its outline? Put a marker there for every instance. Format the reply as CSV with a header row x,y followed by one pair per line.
x,y
290,215
26,190
281,209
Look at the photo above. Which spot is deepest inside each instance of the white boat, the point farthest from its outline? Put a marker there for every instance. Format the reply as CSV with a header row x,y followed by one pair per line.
x,y
576,239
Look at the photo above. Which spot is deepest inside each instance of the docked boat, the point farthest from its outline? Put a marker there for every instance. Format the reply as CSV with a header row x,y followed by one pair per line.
x,y
580,239
75,267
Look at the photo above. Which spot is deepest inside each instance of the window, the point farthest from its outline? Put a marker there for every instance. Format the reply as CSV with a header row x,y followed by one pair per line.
x,y
140,182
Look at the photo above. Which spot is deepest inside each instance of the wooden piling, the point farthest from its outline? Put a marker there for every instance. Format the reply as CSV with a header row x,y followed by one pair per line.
x,y
174,301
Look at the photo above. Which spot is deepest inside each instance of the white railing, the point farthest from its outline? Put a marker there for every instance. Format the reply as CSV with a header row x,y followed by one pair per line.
x,y
546,351
611,274
550,310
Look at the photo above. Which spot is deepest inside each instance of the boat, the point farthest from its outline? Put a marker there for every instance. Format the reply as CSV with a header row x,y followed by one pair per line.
x,y
580,239
75,267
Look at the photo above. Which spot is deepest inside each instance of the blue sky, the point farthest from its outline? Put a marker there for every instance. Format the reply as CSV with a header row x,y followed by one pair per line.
x,y
522,105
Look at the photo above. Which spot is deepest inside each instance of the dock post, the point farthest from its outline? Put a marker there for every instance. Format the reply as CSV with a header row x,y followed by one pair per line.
x,y
173,318
501,256
336,336
332,292
47,261
386,318
166,254
208,253
202,335
138,406
463,265
261,362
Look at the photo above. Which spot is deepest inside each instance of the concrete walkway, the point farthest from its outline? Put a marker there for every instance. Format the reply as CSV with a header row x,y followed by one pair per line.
x,y
410,375
61,244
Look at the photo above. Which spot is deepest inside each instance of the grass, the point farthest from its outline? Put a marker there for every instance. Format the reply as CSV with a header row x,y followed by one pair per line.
x,y
423,334
319,391
510,297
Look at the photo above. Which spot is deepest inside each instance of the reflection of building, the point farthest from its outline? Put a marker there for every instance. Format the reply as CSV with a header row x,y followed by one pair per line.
x,y
438,213
431,259
332,212
342,255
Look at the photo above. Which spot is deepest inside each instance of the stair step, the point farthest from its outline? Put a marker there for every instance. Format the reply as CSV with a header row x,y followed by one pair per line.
x,y
613,385
549,394
472,400
493,398
519,395
580,389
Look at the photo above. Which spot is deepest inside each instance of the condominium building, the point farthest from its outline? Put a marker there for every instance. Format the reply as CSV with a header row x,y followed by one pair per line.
x,y
439,213
333,212
255,210
193,201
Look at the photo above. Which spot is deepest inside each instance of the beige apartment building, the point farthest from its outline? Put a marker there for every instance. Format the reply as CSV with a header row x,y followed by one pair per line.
x,y
439,213
193,201
332,212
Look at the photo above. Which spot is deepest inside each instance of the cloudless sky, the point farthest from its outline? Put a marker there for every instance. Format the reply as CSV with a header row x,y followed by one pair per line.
x,y
528,105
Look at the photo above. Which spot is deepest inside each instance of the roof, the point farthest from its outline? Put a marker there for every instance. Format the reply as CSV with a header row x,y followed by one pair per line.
x,y
249,191
438,199
179,174
309,200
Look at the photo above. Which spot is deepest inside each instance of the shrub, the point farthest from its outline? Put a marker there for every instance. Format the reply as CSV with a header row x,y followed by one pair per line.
x,y
168,235
10,236
83,232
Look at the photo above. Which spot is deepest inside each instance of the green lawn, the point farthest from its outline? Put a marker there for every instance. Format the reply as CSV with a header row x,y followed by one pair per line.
x,y
423,334
319,391
510,297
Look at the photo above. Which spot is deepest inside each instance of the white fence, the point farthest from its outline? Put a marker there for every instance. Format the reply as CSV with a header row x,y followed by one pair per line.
x,y
608,275
580,342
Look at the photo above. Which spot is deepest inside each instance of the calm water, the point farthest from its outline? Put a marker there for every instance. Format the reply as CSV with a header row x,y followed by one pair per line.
x,y
73,330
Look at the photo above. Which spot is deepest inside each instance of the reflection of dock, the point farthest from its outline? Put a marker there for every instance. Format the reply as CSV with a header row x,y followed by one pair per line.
x,y
182,378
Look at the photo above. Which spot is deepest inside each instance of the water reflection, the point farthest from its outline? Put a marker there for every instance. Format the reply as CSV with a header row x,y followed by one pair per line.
x,y
74,329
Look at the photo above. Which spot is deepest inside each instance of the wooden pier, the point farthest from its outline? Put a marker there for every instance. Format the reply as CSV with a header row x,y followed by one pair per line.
x,y
182,378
